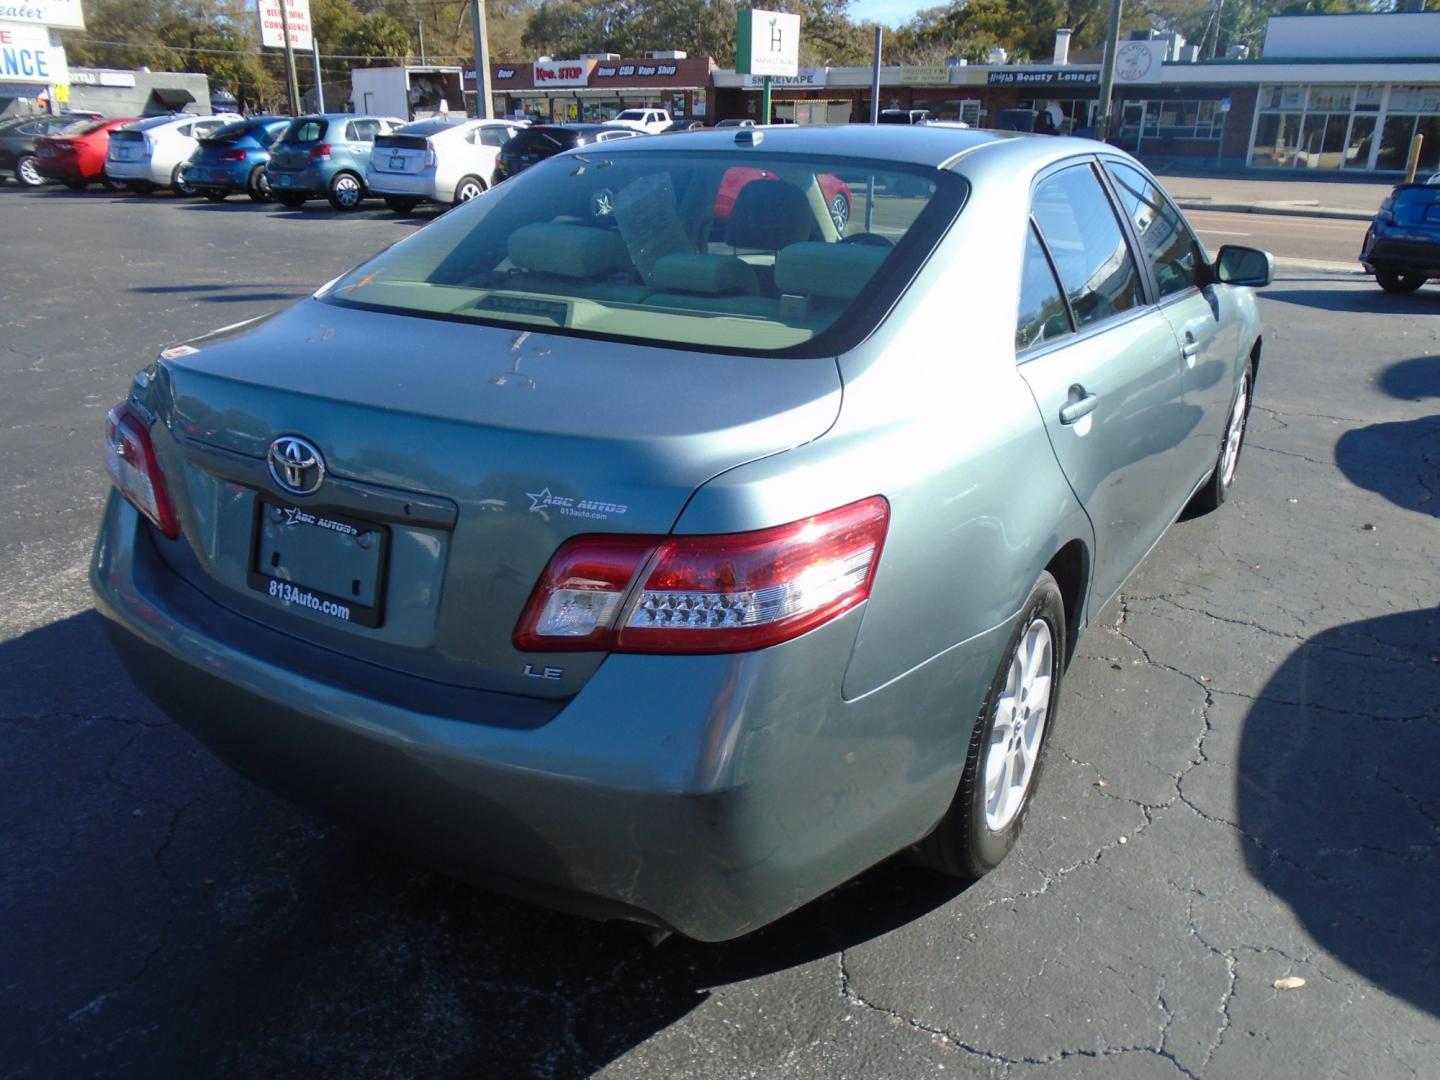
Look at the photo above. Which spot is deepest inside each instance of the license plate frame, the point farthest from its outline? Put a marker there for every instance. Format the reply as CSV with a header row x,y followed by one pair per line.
x,y
397,163
329,532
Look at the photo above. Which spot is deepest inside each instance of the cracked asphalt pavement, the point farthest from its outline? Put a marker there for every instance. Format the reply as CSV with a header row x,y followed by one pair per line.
x,y
1240,790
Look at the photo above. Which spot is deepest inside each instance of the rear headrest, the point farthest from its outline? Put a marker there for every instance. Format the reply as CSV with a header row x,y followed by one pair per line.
x,y
573,251
768,214
710,275
832,271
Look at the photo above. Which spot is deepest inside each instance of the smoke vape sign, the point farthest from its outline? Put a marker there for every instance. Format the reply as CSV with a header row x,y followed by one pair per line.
x,y
767,43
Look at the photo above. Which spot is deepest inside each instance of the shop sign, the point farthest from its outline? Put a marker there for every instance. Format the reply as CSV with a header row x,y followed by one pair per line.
x,y
1139,61
804,78
923,74
1044,77
500,73
63,14
32,55
272,25
767,42
631,71
561,73
102,78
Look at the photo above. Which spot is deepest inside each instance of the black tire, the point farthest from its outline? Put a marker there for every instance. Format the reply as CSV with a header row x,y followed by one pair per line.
x,y
179,184
346,192
1398,281
468,188
215,196
293,200
401,204
110,184
257,186
77,185
972,838
27,172
139,187
840,211
1217,489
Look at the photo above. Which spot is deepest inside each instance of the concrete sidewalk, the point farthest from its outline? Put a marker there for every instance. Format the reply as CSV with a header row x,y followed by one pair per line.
x,y
1341,198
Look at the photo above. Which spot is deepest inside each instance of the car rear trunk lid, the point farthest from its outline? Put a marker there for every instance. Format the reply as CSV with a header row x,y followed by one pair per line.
x,y
469,452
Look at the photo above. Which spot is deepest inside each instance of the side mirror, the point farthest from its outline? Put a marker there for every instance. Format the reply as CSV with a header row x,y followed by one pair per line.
x,y
1236,265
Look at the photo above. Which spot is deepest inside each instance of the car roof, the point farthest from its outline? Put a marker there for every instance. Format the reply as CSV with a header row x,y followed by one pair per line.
x,y
915,145
573,127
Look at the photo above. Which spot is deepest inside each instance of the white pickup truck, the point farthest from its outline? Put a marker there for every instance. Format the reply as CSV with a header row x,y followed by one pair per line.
x,y
650,121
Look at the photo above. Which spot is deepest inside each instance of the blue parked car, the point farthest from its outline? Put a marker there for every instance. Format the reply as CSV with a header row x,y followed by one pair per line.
x,y
326,155
232,159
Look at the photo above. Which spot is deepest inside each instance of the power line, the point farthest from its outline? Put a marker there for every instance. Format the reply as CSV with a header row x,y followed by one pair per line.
x,y
239,52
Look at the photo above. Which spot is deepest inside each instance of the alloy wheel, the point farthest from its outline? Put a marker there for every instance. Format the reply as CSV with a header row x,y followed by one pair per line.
x,y
28,173
1017,725
1235,433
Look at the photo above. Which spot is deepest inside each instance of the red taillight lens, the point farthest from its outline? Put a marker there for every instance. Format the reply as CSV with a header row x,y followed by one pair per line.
x,y
233,155
130,460
320,151
725,593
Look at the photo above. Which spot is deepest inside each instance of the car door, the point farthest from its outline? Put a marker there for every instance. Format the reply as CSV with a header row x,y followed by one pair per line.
x,y
360,140
1102,364
1208,343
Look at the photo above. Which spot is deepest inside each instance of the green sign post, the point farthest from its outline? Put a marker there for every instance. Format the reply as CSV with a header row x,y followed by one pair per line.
x,y
767,43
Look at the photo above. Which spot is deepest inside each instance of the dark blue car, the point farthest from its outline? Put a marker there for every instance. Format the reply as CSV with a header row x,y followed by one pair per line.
x,y
1402,246
233,159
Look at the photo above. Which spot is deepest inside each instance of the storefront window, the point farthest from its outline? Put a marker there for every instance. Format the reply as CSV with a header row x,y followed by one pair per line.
x,y
1276,139
1357,148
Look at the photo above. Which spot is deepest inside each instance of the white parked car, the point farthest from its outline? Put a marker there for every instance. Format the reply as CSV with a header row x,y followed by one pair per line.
x,y
650,121
152,153
445,161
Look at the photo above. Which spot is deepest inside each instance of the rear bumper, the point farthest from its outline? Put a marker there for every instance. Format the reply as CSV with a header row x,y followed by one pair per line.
x,y
61,169
227,178
407,185
308,181
1410,255
148,170
707,794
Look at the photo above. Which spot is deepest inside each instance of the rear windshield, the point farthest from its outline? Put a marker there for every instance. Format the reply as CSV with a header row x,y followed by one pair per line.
x,y
543,140
428,127
303,131
785,254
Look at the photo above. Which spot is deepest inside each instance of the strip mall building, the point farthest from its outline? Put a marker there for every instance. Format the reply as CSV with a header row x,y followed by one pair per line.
x,y
1330,92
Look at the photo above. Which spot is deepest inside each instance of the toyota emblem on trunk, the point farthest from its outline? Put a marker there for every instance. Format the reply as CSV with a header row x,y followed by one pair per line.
x,y
296,465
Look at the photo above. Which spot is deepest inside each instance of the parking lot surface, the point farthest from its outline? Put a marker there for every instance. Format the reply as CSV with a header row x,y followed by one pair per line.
x,y
1240,791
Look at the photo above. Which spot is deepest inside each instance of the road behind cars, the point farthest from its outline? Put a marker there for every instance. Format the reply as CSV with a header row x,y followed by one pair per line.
x,y
1239,791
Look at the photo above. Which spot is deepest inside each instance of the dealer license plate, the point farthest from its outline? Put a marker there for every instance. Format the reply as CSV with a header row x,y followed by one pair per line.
x,y
330,565
397,164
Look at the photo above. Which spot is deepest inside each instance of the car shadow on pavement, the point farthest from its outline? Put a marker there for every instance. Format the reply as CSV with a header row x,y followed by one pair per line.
x,y
181,921
1370,300
1399,459
1336,791
220,294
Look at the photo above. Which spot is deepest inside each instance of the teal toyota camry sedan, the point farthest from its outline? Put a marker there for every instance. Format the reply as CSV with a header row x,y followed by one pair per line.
x,y
672,567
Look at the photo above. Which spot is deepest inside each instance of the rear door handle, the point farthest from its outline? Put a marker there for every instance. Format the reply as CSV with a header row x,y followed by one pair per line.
x,y
1081,403
1191,348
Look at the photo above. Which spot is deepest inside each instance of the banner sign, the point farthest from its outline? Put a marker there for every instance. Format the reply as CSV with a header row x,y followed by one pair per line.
x,y
272,25
802,79
766,42
1044,77
61,14
561,73
924,74
1139,61
32,55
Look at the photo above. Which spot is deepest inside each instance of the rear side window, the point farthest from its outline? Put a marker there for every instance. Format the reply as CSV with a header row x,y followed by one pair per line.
x,y
362,130
1043,315
491,136
1095,264
1171,247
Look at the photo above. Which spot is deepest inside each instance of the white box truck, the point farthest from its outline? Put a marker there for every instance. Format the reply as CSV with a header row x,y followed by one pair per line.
x,y
412,93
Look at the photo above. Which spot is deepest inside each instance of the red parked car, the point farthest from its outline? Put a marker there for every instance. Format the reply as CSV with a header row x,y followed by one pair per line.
x,y
78,157
837,193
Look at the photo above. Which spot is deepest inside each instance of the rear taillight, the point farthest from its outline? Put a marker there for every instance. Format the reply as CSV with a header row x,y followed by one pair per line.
x,y
233,155
702,594
130,460
319,151
430,158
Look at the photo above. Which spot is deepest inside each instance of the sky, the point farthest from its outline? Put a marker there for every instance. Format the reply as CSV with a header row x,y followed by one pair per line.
x,y
887,12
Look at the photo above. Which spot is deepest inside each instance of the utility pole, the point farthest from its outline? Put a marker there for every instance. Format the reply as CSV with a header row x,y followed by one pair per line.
x,y
1107,72
875,83
319,75
420,29
482,59
292,83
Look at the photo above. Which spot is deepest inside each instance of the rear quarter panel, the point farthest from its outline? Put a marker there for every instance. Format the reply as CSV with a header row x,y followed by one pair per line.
x,y
936,419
